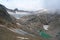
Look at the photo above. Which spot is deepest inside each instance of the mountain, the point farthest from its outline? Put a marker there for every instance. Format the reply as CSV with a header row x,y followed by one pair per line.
x,y
29,24
16,10
33,23
20,13
9,30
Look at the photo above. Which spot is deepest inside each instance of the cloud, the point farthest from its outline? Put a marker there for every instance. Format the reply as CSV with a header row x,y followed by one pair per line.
x,y
24,4
52,4
31,4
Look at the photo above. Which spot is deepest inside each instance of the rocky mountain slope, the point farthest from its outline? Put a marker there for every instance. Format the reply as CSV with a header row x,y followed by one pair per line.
x,y
28,27
33,23
9,30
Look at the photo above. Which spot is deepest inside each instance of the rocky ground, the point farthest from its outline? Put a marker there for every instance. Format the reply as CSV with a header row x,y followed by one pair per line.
x,y
28,27
9,28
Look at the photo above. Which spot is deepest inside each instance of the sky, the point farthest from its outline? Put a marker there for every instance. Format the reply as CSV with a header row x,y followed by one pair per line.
x,y
23,4
52,4
31,4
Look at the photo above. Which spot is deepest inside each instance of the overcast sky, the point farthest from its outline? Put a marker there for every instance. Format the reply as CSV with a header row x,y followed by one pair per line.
x,y
31,4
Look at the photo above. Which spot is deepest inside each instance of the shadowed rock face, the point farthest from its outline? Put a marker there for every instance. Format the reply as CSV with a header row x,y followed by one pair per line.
x,y
6,21
3,14
5,18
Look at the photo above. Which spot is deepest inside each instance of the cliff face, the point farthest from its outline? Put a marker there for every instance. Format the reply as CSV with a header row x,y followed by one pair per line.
x,y
5,18
4,14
